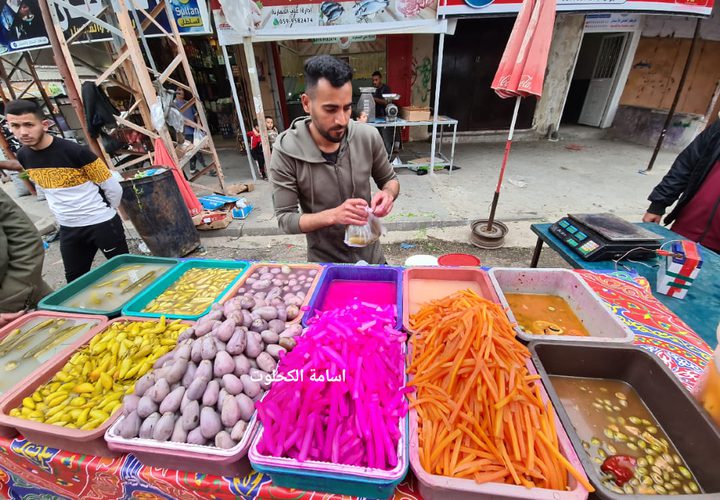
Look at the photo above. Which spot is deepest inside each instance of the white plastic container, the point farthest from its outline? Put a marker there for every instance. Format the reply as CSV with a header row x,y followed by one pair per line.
x,y
602,324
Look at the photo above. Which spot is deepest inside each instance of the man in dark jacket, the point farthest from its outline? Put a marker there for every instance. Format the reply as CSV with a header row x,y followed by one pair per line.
x,y
694,182
21,262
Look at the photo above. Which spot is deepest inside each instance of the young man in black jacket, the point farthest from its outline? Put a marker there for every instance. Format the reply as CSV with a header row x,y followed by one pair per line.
x,y
694,182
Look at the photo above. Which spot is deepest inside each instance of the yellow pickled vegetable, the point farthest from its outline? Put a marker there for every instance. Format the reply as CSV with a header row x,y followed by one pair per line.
x,y
193,292
91,385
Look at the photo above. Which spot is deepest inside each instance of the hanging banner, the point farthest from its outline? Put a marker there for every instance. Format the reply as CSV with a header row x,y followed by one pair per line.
x,y
22,27
611,21
487,7
277,19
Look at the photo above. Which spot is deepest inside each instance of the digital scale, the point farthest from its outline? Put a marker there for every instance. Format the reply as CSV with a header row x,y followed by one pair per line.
x,y
605,237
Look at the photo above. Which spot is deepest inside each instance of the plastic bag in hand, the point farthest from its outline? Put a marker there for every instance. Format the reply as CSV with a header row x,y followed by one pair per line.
x,y
368,233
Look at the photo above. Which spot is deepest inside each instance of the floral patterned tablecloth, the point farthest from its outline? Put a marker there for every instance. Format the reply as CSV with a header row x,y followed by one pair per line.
x,y
29,471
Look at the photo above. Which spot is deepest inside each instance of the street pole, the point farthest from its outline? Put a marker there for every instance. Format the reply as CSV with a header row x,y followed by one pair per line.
x,y
676,99
236,100
257,97
436,105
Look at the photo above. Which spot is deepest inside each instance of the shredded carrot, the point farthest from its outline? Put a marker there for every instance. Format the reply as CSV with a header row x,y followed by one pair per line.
x,y
481,414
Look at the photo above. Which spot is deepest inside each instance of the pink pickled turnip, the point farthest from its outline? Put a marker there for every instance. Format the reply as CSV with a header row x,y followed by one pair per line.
x,y
339,395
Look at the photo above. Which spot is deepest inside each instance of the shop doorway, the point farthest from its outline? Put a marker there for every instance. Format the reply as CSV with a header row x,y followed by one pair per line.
x,y
470,61
596,82
365,54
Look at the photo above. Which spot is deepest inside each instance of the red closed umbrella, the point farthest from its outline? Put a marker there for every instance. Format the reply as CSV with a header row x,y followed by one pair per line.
x,y
163,159
522,68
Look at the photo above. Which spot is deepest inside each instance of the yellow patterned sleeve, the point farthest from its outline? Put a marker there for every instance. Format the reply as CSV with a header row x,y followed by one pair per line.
x,y
97,171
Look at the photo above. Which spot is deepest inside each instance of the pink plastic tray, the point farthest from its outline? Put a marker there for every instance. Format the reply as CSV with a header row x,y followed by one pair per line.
x,y
183,456
434,487
446,281
74,440
100,322
241,283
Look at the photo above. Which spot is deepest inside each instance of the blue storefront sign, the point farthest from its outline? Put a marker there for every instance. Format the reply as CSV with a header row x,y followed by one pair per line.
x,y
22,27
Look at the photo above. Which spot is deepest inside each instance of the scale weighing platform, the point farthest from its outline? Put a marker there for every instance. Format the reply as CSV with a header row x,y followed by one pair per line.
x,y
605,237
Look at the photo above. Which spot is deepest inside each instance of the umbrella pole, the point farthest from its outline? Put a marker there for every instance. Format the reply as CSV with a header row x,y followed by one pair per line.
x,y
236,100
438,78
508,145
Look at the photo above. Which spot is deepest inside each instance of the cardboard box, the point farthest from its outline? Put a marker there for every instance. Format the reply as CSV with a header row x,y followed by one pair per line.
x,y
234,189
212,220
414,113
678,271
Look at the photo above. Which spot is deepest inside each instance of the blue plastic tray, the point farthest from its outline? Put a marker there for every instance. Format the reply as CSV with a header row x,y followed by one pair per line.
x,y
54,301
136,306
359,273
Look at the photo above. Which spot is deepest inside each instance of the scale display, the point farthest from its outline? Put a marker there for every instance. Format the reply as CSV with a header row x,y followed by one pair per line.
x,y
605,237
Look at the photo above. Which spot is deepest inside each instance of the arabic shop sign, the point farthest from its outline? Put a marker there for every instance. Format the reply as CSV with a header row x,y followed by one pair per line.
x,y
22,27
490,7
344,40
302,19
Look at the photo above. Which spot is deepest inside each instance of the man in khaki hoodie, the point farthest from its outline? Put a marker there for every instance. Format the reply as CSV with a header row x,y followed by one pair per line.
x,y
21,262
324,164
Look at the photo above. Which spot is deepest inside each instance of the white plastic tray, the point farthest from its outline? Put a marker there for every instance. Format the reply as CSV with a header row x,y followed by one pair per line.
x,y
602,324
171,446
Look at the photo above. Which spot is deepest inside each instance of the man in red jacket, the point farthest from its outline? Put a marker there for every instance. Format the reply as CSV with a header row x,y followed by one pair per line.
x,y
256,149
694,182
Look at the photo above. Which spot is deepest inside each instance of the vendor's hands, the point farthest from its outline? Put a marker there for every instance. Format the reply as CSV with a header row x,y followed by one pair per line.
x,y
352,212
648,217
381,204
6,318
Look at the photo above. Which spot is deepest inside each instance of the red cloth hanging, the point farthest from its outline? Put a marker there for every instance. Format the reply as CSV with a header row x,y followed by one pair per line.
x,y
163,159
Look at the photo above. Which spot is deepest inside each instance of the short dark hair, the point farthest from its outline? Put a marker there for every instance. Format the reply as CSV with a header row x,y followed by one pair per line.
x,y
334,70
377,73
269,116
23,107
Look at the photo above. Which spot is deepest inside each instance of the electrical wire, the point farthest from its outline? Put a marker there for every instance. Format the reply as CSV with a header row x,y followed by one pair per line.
x,y
644,264
616,261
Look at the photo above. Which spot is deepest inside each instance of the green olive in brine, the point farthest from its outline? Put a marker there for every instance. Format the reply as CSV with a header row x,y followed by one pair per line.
x,y
660,489
685,472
